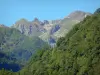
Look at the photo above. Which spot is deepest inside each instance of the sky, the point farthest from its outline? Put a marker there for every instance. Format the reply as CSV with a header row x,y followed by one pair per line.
x,y
13,10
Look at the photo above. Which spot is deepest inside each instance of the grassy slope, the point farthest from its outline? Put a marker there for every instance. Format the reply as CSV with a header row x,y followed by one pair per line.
x,y
17,45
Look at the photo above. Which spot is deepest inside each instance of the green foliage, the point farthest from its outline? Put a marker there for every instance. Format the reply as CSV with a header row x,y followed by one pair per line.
x,y
18,46
78,53
5,72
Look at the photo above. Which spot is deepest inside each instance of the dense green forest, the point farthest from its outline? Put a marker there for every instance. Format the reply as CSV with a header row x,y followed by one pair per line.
x,y
78,53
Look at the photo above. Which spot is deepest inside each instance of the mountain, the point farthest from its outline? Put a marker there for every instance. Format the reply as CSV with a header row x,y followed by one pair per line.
x,y
59,28
78,15
49,29
33,28
15,45
72,19
78,53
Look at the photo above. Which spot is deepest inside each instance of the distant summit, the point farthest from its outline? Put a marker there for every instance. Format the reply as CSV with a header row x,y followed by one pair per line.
x,y
36,20
22,21
50,29
29,28
78,15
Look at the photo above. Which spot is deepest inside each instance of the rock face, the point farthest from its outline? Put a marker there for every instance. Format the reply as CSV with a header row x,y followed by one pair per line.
x,y
78,15
45,22
33,28
50,29
54,29
58,28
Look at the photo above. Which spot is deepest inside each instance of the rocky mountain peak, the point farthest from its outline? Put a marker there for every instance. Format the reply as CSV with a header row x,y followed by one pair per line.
x,y
46,28
78,15
21,21
46,22
36,20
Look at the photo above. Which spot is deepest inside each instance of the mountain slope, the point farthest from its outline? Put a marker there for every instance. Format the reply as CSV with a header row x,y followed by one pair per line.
x,y
78,53
18,46
50,29
68,22
63,26
28,28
